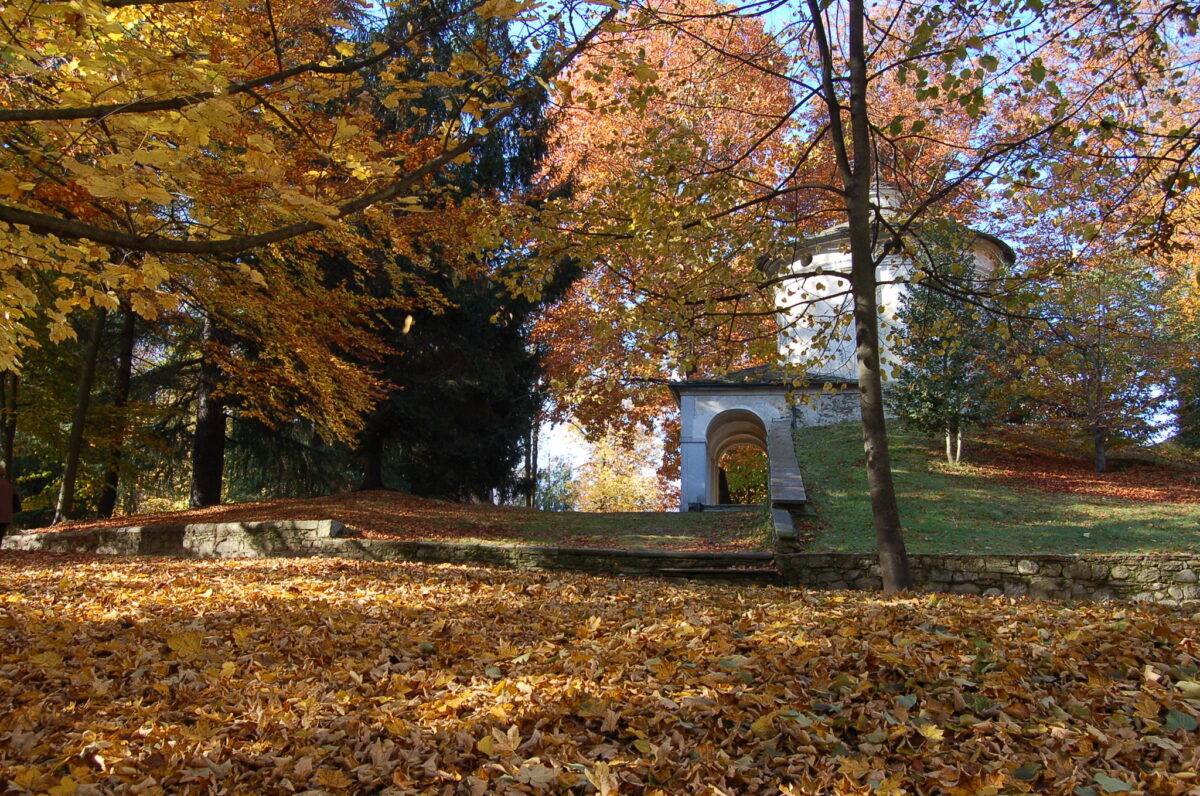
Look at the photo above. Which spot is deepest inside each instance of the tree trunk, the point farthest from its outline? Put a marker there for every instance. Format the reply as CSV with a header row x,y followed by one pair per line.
x,y
949,449
87,374
112,472
958,445
531,465
208,444
889,539
1100,443
10,384
370,450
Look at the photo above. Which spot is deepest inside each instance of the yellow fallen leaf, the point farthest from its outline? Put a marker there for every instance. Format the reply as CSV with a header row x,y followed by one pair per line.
x,y
186,645
46,659
334,778
931,731
64,788
763,726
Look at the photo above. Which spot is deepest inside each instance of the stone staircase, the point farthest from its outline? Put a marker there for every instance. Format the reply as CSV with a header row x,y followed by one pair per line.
x,y
732,576
788,496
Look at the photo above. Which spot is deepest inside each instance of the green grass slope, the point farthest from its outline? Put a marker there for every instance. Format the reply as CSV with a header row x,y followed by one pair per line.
x,y
1007,498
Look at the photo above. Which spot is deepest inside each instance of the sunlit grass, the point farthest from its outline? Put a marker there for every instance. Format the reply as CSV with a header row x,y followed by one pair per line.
x,y
968,510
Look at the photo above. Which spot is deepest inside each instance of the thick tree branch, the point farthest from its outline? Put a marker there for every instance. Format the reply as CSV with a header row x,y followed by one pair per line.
x,y
65,228
246,86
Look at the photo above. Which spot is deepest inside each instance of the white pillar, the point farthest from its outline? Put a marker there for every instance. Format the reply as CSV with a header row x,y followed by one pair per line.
x,y
693,473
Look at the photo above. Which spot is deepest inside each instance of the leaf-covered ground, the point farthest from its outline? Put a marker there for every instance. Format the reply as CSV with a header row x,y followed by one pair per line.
x,y
394,515
1009,497
166,676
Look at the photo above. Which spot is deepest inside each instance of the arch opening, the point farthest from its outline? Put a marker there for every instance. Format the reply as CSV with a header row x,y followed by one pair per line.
x,y
737,455
742,476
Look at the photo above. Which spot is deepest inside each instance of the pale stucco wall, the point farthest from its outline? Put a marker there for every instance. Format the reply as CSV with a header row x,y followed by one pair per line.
x,y
817,333
697,410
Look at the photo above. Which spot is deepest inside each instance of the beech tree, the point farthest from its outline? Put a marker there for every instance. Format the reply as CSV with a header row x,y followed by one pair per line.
x,y
956,105
619,474
188,156
1098,359
658,121
193,133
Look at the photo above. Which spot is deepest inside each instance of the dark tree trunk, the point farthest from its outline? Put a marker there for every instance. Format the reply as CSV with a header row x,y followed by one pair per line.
x,y
208,444
889,539
531,465
112,470
370,451
87,374
10,385
1100,444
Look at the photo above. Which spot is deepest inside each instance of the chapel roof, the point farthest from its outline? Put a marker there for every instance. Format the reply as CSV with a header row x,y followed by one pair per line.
x,y
760,376
841,231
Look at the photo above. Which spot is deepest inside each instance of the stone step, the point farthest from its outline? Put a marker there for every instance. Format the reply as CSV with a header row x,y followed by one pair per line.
x,y
786,483
764,576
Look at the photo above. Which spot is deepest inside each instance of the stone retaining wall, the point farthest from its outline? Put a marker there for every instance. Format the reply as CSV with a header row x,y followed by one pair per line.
x,y
198,540
1165,579
328,538
600,561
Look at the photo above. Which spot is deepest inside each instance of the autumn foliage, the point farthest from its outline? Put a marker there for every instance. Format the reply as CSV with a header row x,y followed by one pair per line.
x,y
173,676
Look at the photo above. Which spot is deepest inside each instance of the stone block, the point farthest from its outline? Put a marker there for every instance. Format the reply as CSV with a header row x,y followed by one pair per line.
x,y
1184,592
1146,575
1186,576
1077,570
993,592
1016,589
1027,567
965,588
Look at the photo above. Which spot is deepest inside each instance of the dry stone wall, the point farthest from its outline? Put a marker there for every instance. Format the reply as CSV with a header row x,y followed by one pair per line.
x,y
1172,580
1165,579
198,540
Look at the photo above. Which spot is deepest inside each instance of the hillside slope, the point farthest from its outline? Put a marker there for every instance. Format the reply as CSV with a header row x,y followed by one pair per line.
x,y
1010,496
393,515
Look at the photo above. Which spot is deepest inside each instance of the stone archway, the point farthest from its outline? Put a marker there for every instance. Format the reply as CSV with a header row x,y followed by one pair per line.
x,y
726,431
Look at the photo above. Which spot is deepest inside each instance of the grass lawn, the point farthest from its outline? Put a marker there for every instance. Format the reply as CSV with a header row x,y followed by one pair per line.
x,y
154,676
392,515
1010,497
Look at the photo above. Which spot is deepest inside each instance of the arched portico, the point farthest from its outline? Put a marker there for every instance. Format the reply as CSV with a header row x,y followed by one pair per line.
x,y
719,414
726,431
751,407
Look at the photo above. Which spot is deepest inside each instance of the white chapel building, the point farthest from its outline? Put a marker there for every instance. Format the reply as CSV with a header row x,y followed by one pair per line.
x,y
816,384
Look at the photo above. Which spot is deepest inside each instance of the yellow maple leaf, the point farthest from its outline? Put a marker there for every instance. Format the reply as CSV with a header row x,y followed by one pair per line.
x,y
186,645
46,659
931,731
334,778
65,787
763,726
